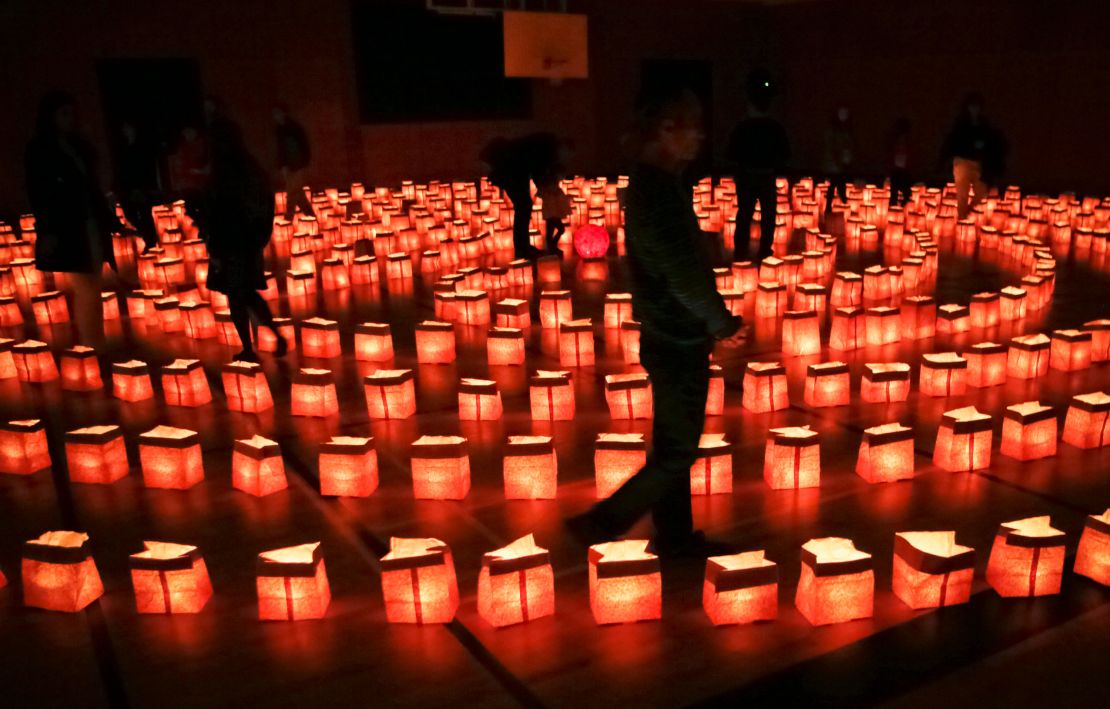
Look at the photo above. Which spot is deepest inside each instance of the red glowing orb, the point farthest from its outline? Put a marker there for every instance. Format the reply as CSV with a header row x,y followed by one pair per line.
x,y
591,241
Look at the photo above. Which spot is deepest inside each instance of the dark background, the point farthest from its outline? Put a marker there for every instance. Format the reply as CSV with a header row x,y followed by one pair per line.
x,y
1043,67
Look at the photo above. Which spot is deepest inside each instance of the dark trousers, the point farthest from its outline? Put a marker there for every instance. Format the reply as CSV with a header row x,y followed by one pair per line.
x,y
901,185
555,229
680,383
137,209
243,305
521,197
838,185
750,189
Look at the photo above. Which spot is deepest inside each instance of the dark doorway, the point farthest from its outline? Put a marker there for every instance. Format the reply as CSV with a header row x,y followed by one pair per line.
x,y
693,74
157,96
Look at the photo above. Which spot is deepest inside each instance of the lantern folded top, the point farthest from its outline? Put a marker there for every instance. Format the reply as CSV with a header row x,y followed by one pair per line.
x,y
1031,342
621,441
826,368
833,556
953,311
966,419
765,369
93,434
83,352
300,560
799,314
477,386
944,360
313,376
933,552
920,300
319,323
30,347
1094,402
433,326
510,306
743,570
1012,292
887,371
372,328
1029,412
529,445
164,556
23,426
848,276
875,270
618,297
1097,325
1100,523
410,553
131,367
811,289
771,286
620,382
517,556
241,368
386,377
348,445
987,348
505,333
1072,335
168,436
471,295
888,433
544,378
439,447
883,311
984,297
626,557
581,325
181,366
257,447
58,547
555,295
793,436
1032,532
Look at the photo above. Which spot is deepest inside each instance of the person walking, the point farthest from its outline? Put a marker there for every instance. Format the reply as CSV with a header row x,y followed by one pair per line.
x,y
682,315
512,166
977,151
898,146
73,219
136,183
293,157
840,154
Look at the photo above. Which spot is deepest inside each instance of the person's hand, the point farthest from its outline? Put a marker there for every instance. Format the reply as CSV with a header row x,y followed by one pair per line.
x,y
736,339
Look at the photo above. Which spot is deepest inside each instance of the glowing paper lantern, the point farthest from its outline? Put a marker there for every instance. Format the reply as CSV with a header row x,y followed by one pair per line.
x,y
740,588
96,454
169,578
556,308
792,458
886,454
512,312
516,584
530,468
711,473
617,457
847,290
170,458
23,447
626,584
576,343
885,382
629,396
1028,356
472,307
770,299
953,319
882,325
373,342
715,399
985,310
292,583
1087,424
1100,339
185,384
810,296
963,441
435,342
59,573
257,467
764,387
630,341
847,332
919,317
267,341
131,381
33,362
479,400
986,364
505,346
199,321
320,338
440,468
313,393
246,388
801,333
390,394
1070,350
837,584
50,308
618,308
827,384
591,241
1092,559
551,396
931,570
80,370
1029,431
1012,303
10,314
943,374
1027,558
7,361
348,467
418,582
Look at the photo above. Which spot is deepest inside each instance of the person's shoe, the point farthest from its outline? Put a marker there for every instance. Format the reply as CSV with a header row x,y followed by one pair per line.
x,y
696,546
246,356
282,347
586,531
530,254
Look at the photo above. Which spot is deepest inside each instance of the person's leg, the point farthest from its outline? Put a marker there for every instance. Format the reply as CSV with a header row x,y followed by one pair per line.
x,y
768,204
88,311
239,309
745,208
680,383
295,196
961,175
521,198
978,187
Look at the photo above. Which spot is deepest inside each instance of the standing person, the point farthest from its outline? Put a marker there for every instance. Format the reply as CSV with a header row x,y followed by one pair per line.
x,y
674,297
556,208
293,157
512,165
759,148
840,149
237,211
898,145
136,183
977,151
73,218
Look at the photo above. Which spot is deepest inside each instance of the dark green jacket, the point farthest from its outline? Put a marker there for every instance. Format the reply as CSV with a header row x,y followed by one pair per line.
x,y
674,293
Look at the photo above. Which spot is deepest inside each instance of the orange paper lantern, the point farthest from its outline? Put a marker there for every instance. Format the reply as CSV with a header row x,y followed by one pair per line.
x,y
418,582
943,374
23,447
1070,350
246,388
373,342
7,361
1093,556
886,454
96,454
170,458
516,584
931,570
348,467
626,584
320,338
711,473
1087,424
919,317
80,370
479,400
630,341
770,299
390,394
440,468
59,573
963,441
882,325
33,362
1100,339
629,396
169,578
530,468
847,290
1027,558
837,584
1028,356
953,319
827,384
885,382
801,333
131,381
505,346
512,312
556,308
986,364
50,308
792,458
257,467
292,583
551,396
985,310
764,387
617,457
313,394
472,307
1029,431
576,343
715,399
185,384
435,342
740,588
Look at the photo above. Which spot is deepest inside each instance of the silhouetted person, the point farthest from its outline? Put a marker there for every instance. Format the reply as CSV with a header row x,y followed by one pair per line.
x,y
840,154
512,166
556,204
73,219
136,182
977,151
188,164
759,148
293,157
675,298
898,146
237,212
